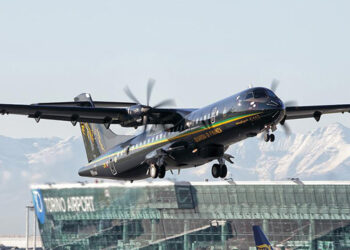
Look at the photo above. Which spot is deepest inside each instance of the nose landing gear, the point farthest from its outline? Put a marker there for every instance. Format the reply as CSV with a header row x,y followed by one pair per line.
x,y
269,137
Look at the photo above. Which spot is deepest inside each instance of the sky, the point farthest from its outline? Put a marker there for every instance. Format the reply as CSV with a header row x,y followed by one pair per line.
x,y
198,52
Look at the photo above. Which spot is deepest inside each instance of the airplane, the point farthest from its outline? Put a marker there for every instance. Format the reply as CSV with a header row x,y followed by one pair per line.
x,y
261,242
179,137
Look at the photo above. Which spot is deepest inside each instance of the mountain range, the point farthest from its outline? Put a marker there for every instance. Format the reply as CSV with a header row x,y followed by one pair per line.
x,y
321,154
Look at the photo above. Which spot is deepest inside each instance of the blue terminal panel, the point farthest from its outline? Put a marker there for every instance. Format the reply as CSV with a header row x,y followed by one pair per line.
x,y
167,215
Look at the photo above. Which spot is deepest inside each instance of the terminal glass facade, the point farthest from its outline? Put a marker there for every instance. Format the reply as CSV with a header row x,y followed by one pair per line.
x,y
216,215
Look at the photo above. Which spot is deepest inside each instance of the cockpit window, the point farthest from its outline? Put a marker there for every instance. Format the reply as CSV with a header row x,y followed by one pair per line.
x,y
270,93
249,96
260,93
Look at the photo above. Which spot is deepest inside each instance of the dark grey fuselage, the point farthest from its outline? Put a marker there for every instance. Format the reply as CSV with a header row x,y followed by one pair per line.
x,y
202,136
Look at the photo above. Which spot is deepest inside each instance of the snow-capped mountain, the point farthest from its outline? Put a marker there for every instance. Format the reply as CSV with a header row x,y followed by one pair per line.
x,y
322,154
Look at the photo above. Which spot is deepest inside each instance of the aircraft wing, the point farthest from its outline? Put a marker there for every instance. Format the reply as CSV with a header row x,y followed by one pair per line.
x,y
300,112
102,113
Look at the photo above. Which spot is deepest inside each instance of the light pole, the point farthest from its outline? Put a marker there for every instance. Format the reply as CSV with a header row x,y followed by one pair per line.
x,y
34,229
28,208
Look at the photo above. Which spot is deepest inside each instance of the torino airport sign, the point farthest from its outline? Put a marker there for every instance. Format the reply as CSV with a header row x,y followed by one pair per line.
x,y
70,204
61,204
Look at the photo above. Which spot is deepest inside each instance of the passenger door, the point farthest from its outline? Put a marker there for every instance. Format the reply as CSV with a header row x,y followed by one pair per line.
x,y
214,113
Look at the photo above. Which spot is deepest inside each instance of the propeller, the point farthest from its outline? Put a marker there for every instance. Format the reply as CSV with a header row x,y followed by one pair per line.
x,y
274,85
287,130
146,109
291,103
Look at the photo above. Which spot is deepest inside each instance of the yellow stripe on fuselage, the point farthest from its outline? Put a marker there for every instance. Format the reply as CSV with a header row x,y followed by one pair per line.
x,y
198,130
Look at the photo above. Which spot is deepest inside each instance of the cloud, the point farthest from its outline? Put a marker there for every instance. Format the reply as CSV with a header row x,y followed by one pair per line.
x,y
202,170
54,154
6,176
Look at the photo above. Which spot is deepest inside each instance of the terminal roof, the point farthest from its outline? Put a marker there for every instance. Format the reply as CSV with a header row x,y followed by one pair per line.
x,y
171,183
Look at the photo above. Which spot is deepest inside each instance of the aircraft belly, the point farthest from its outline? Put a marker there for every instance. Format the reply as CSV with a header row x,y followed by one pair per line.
x,y
130,162
225,136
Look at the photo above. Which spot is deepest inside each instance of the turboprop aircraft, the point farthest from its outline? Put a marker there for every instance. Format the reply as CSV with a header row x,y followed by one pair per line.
x,y
179,137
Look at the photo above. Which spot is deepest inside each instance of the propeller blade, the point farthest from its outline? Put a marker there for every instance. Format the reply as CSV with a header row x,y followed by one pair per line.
x,y
274,85
150,86
131,95
291,103
287,129
167,102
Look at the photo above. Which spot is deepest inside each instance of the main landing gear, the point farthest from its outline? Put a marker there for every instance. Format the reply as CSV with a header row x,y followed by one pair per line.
x,y
219,170
157,171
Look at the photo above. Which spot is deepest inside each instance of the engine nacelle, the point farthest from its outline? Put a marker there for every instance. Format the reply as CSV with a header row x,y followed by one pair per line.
x,y
135,110
138,110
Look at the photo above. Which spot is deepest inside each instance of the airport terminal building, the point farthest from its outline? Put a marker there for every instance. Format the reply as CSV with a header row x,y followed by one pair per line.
x,y
196,215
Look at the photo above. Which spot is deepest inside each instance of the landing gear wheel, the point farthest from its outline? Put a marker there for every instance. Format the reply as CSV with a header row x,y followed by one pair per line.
x,y
153,171
215,170
223,171
162,172
267,137
272,138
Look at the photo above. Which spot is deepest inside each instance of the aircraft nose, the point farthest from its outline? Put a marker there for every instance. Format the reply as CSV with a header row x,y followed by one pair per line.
x,y
276,103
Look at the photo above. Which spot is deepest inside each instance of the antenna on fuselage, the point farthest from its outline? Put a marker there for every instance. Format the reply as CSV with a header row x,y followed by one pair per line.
x,y
250,86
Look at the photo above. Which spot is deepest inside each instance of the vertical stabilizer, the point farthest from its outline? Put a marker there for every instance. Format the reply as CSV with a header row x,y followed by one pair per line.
x,y
261,241
97,138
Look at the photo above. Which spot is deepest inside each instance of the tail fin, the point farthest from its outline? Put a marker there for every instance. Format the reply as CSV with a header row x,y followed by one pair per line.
x,y
262,243
97,138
